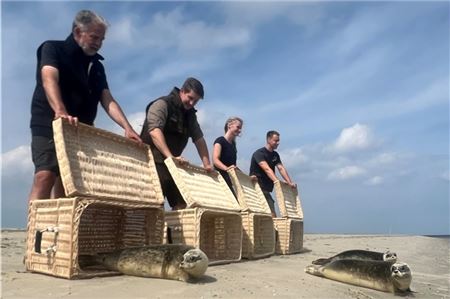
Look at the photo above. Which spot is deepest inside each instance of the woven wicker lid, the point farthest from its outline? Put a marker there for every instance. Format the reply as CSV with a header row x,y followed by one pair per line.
x,y
95,162
200,188
249,193
288,200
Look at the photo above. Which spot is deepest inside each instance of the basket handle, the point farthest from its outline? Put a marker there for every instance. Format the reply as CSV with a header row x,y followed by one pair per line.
x,y
38,240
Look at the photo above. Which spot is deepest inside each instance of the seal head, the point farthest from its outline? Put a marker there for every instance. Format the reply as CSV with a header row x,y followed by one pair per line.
x,y
195,262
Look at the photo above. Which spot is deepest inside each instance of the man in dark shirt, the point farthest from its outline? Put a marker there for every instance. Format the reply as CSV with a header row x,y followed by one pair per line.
x,y
170,122
262,166
70,82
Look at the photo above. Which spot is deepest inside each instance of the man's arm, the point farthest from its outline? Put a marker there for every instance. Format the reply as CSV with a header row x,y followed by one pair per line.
x,y
202,149
114,111
160,142
285,175
264,166
50,80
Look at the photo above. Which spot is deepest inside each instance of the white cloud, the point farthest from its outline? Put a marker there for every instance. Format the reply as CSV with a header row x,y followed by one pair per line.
x,y
357,137
294,156
17,162
376,180
173,30
445,175
135,119
122,32
179,68
347,172
384,158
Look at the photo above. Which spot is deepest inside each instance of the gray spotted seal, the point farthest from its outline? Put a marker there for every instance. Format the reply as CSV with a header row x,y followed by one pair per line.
x,y
169,261
357,254
379,275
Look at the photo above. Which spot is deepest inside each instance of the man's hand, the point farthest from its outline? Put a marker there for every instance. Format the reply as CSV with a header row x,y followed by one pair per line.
x,y
208,168
181,161
293,185
73,120
130,133
254,178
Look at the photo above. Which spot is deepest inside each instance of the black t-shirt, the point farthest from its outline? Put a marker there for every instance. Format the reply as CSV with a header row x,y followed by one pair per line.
x,y
228,156
272,159
82,80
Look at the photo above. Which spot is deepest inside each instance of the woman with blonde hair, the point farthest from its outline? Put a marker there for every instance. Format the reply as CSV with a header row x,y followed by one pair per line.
x,y
225,152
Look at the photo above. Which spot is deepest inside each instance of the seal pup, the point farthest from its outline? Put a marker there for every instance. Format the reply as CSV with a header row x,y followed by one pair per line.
x,y
169,261
359,255
379,275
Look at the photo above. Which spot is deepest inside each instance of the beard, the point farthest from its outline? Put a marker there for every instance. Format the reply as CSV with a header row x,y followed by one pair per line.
x,y
88,51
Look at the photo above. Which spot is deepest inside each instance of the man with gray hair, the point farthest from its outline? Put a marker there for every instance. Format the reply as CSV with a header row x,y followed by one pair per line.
x,y
70,82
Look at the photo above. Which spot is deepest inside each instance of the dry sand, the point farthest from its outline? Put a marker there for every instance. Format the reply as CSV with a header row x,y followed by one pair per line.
x,y
276,276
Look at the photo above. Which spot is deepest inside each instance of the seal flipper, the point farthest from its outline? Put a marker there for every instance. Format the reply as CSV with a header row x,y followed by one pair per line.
x,y
321,261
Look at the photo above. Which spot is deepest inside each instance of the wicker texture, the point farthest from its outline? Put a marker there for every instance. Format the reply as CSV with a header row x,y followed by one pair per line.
x,y
217,233
258,238
288,200
289,235
249,193
94,162
87,226
200,188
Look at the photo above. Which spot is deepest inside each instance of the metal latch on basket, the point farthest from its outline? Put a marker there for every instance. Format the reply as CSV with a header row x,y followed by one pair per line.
x,y
38,240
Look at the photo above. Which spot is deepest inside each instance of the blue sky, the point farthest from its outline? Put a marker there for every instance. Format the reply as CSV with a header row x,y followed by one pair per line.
x,y
358,90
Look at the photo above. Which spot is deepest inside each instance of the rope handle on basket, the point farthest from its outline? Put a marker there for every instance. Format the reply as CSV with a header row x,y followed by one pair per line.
x,y
38,240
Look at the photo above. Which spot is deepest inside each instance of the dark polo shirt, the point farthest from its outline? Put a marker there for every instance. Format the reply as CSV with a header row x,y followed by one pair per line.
x,y
272,159
81,80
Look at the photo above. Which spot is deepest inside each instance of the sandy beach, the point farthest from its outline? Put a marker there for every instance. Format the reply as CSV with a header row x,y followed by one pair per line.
x,y
276,276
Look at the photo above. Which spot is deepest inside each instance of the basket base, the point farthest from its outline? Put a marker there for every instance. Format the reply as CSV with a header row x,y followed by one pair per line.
x,y
258,240
289,235
217,233
60,231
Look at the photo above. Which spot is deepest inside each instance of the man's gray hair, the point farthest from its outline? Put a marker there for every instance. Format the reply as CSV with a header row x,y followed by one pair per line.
x,y
85,18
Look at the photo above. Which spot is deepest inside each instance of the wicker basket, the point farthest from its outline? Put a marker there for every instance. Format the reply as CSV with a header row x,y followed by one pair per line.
x,y
115,202
288,200
249,194
218,233
289,227
258,230
62,231
289,235
94,162
212,221
200,188
258,238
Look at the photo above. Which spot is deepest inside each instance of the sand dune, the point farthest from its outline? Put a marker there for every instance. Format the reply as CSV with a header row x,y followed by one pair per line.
x,y
276,276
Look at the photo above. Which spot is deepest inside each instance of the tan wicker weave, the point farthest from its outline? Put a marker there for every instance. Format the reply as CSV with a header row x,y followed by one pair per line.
x,y
86,226
289,235
258,238
94,162
249,193
288,200
200,188
218,233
